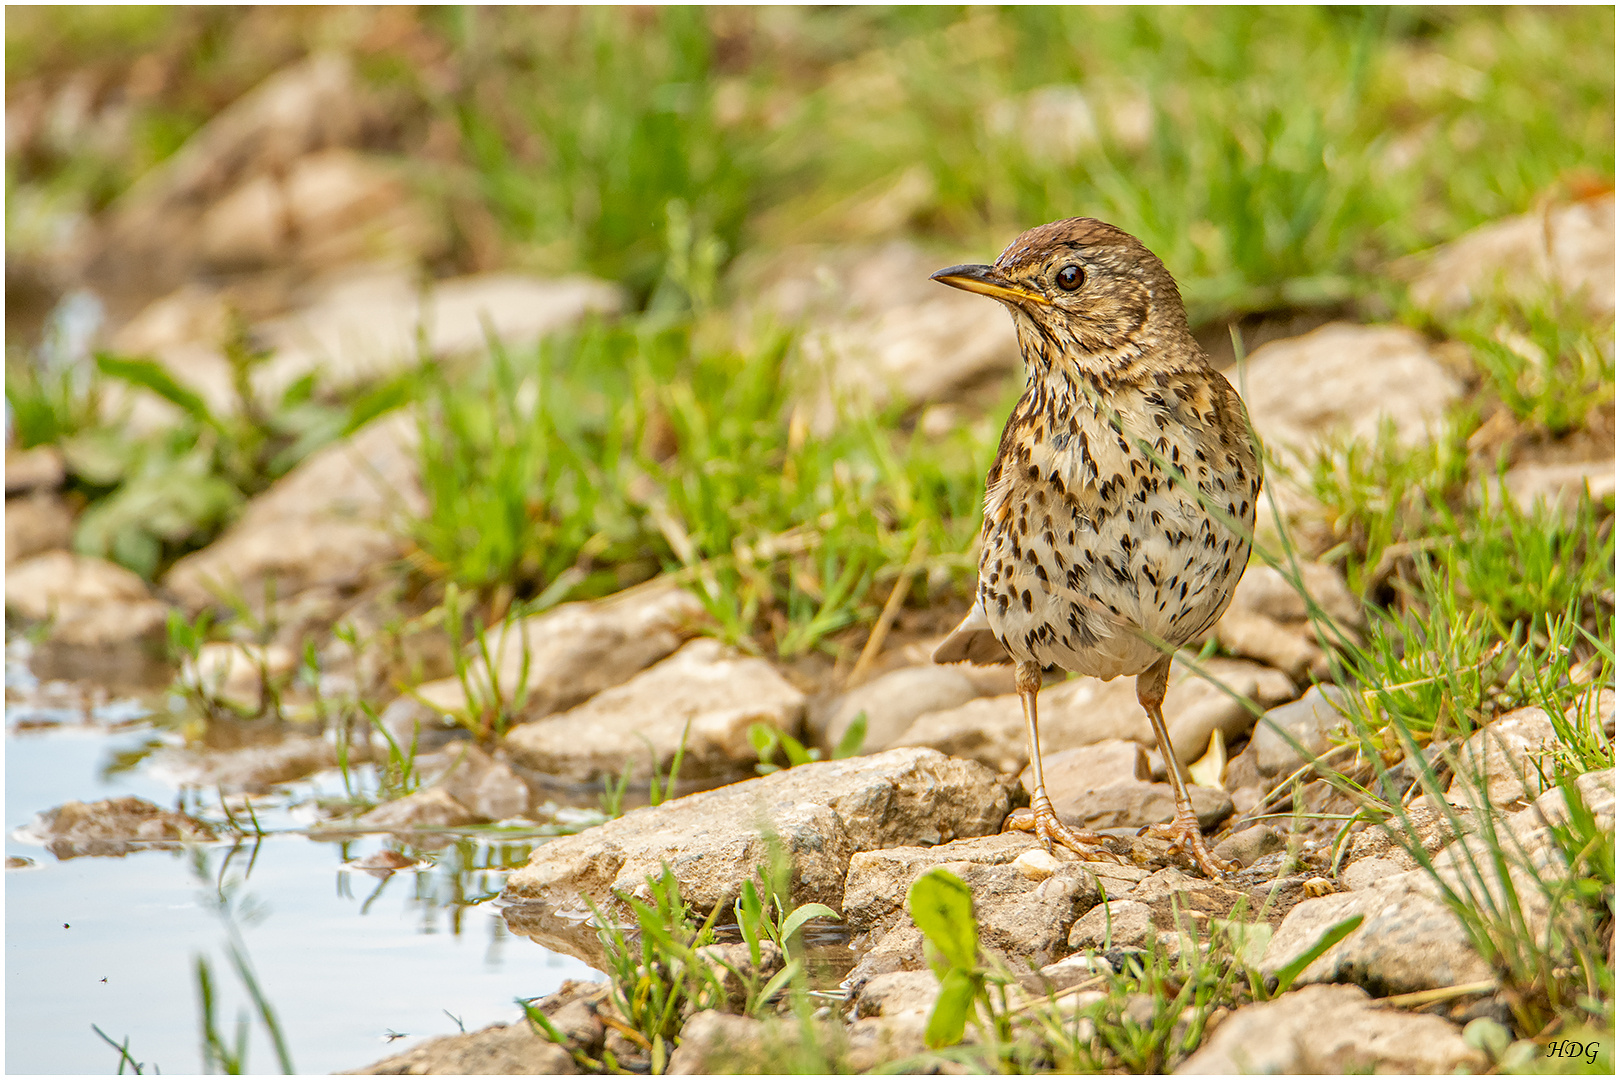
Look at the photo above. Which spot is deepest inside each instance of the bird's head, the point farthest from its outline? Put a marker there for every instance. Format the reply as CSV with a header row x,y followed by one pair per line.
x,y
1082,287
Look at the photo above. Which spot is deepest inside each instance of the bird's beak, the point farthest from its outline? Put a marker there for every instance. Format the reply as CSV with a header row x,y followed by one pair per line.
x,y
989,281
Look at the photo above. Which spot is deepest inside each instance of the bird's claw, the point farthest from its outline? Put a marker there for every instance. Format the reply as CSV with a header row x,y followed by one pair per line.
x,y
1184,835
1042,820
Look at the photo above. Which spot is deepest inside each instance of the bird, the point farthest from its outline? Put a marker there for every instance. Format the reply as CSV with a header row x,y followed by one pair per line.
x,y
1119,510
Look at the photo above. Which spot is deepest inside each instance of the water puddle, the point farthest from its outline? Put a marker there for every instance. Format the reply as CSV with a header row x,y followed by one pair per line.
x,y
353,942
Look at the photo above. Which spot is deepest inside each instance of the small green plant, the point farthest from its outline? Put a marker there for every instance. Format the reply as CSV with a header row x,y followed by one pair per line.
x,y
941,904
767,740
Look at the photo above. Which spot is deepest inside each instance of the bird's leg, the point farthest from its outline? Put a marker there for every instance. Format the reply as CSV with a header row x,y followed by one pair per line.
x,y
1183,832
1042,820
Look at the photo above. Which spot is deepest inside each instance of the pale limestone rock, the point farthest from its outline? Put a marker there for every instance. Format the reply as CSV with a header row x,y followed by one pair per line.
x,y
90,602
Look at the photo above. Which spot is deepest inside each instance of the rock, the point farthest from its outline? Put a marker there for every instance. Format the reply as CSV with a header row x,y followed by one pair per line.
x,y
1082,711
111,827
1430,828
823,814
39,468
487,787
1087,768
343,208
36,523
1037,864
897,992
899,949
1594,710
1557,487
1115,924
705,693
1331,1029
367,327
716,1042
1333,383
1073,970
1310,722
1268,619
1132,803
1368,873
1249,845
499,1050
254,769
1570,247
883,333
733,964
1504,756
236,673
573,652
1409,940
154,236
327,523
1170,895
878,881
891,702
431,809
1596,790
90,602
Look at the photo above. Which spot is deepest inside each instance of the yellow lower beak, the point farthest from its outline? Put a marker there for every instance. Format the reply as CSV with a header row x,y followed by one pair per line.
x,y
988,281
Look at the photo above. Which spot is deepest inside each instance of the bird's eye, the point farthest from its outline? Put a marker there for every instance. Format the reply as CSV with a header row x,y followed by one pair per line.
x,y
1070,277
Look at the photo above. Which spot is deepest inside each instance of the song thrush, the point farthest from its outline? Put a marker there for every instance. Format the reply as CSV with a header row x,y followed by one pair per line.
x,y
1119,510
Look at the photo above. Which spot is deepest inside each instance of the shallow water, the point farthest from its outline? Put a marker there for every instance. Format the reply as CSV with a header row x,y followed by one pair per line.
x,y
349,962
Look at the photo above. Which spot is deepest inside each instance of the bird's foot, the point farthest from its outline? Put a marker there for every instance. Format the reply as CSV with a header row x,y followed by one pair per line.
x,y
1043,821
1185,835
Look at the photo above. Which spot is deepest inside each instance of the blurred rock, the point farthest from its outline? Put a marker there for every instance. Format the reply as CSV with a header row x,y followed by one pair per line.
x,y
515,1049
90,602
377,321
1268,620
1310,722
1333,383
236,673
1247,846
1057,124
1367,873
704,693
111,827
718,1042
35,523
1570,247
1558,487
891,702
713,841
574,651
486,786
1332,1029
328,522
39,468
341,208
431,809
882,332
1133,803
255,769
897,992
1081,711
734,963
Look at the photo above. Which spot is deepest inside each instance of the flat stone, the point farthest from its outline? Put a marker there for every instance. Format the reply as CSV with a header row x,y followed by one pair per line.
x,y
1369,873
891,702
1570,247
486,786
327,523
1115,924
1504,756
823,814
717,1042
235,672
255,769
431,809
39,468
878,881
111,827
705,693
1333,383
499,1050
1087,768
1268,619
90,602
1081,711
557,660
897,992
1310,722
1332,1029
1558,488
35,523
